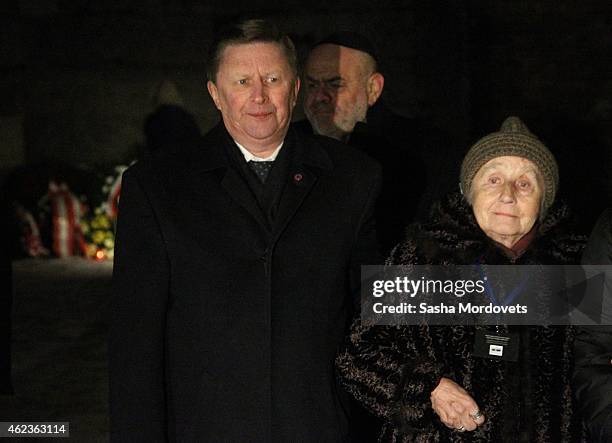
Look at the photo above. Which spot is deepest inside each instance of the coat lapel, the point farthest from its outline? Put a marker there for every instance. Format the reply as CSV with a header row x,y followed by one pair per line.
x,y
240,192
309,161
216,160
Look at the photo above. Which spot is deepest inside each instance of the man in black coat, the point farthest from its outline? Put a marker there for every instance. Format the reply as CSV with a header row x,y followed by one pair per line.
x,y
593,375
234,281
343,87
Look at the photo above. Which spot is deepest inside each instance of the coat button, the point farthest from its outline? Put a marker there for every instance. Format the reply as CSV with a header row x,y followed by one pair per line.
x,y
298,177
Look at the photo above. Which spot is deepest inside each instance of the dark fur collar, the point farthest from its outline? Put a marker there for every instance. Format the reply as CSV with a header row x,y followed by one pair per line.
x,y
453,237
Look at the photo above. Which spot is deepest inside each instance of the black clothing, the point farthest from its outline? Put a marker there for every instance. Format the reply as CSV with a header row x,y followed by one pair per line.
x,y
593,380
225,322
418,168
593,348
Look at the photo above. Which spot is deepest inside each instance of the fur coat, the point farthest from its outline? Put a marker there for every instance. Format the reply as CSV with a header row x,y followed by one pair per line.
x,y
392,370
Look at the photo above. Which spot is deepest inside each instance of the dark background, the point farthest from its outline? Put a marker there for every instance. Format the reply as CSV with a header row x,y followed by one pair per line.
x,y
78,77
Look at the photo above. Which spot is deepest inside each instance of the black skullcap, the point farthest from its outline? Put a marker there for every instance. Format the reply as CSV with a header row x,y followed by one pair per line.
x,y
352,40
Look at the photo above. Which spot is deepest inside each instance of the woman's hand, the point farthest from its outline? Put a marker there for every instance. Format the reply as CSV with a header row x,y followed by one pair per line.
x,y
455,407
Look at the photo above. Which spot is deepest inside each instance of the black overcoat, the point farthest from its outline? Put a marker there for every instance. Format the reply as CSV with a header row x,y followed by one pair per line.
x,y
593,347
223,329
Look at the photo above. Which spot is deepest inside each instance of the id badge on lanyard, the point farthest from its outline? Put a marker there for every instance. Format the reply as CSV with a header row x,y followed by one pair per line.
x,y
496,342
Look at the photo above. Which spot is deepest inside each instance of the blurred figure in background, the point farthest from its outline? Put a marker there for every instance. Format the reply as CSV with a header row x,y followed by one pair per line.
x,y
343,88
593,347
170,127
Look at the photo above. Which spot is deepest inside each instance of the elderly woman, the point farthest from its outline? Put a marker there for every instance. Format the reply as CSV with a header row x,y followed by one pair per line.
x,y
426,382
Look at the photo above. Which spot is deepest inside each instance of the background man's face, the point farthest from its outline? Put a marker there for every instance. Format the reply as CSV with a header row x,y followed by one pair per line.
x,y
255,90
337,89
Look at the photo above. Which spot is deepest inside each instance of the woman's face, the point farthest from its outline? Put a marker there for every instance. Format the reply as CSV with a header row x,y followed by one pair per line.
x,y
506,196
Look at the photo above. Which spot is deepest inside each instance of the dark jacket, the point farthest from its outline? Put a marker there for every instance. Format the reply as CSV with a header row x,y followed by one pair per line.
x,y
418,164
225,328
593,374
393,369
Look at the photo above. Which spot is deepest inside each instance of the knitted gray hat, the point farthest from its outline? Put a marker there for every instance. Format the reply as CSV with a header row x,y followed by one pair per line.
x,y
512,139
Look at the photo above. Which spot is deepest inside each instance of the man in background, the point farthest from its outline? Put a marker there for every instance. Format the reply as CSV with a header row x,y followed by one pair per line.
x,y
342,100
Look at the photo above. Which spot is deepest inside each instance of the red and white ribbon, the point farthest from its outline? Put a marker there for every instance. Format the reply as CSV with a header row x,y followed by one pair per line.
x,y
66,211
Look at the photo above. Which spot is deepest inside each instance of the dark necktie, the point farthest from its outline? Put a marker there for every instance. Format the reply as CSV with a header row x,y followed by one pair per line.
x,y
261,169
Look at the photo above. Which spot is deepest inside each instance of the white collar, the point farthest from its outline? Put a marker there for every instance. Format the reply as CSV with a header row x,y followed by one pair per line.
x,y
250,157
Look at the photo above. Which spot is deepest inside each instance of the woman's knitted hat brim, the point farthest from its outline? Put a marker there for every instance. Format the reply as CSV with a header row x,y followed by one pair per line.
x,y
513,139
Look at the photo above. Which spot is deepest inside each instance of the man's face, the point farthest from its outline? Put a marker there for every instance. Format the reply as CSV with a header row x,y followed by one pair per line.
x,y
255,90
341,83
